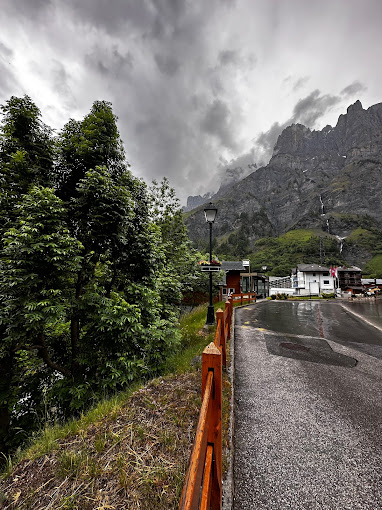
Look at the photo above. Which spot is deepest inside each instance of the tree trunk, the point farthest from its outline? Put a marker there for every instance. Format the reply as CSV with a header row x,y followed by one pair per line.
x,y
74,339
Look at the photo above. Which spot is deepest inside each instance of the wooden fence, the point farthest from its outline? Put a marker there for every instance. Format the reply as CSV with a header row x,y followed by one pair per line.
x,y
202,489
245,296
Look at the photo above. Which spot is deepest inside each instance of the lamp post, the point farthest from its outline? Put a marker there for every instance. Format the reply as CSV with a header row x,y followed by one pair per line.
x,y
210,213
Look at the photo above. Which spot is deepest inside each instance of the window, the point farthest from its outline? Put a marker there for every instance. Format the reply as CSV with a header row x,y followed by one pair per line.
x,y
314,274
325,274
224,291
326,282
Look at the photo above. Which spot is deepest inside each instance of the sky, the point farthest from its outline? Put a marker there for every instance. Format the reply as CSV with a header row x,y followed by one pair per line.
x,y
199,87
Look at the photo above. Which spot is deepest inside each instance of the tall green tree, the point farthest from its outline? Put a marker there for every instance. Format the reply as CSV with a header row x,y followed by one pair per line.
x,y
166,213
83,145
26,159
91,271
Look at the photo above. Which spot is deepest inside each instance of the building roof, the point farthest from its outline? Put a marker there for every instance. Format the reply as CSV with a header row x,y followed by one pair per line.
x,y
232,265
312,268
351,268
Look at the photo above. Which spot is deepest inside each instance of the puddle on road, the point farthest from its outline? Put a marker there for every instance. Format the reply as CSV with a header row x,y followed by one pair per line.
x,y
311,349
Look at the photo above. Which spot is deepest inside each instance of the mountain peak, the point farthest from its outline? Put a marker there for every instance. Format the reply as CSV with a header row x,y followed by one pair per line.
x,y
356,107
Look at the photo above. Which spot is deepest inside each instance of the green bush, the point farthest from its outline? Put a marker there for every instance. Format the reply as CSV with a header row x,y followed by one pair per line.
x,y
328,295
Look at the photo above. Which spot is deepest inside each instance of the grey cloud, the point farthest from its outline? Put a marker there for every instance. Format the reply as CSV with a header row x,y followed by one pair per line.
x,y
354,88
29,9
5,52
61,79
8,82
110,18
306,111
295,84
110,61
235,58
153,19
309,109
228,57
300,83
218,122
265,142
237,168
167,64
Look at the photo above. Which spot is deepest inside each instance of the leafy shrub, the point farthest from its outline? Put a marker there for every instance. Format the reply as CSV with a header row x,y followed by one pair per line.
x,y
328,295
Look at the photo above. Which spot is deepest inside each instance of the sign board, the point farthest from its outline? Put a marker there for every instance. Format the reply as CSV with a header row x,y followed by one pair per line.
x,y
245,263
210,269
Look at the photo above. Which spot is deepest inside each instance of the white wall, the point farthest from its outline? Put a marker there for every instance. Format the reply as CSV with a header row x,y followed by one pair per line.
x,y
310,278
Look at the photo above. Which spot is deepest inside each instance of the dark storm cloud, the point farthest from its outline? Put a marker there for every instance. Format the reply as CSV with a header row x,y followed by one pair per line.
x,y
111,18
61,82
153,19
219,123
167,64
267,140
109,61
237,59
237,168
228,57
29,9
306,111
309,109
354,88
182,75
165,88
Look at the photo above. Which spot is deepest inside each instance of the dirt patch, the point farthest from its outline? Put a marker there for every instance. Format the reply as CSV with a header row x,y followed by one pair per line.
x,y
134,459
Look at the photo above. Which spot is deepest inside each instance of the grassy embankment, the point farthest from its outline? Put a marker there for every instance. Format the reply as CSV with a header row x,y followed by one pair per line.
x,y
130,451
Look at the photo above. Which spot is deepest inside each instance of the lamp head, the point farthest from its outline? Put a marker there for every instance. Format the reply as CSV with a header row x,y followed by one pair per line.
x,y
210,213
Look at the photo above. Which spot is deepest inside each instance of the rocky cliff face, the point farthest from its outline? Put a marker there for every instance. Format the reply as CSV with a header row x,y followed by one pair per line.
x,y
325,179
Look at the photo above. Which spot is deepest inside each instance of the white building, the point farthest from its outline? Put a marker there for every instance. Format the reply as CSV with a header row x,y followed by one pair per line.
x,y
312,280
280,285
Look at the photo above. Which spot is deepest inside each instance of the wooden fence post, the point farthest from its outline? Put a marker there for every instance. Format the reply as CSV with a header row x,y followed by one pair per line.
x,y
220,317
229,313
212,361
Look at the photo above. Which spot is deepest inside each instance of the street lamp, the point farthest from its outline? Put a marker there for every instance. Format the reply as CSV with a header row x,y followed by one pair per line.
x,y
210,213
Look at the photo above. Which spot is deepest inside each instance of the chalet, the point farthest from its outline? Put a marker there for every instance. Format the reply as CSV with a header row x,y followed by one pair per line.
x,y
350,279
238,278
312,280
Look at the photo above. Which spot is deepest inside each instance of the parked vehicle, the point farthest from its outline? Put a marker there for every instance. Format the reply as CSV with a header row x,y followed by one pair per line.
x,y
373,291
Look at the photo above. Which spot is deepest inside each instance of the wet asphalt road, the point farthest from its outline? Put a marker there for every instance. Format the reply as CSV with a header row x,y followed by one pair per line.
x,y
308,408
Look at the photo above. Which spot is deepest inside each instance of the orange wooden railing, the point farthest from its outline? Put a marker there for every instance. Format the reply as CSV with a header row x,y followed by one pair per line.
x,y
202,489
244,296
